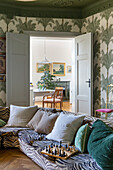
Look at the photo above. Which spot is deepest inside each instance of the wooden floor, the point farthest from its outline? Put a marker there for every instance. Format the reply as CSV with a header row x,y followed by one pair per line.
x,y
66,105
14,159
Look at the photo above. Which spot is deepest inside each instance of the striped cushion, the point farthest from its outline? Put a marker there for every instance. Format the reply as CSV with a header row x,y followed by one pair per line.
x,y
4,113
9,136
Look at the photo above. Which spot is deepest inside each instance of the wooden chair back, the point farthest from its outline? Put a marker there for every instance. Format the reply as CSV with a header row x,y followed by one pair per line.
x,y
59,92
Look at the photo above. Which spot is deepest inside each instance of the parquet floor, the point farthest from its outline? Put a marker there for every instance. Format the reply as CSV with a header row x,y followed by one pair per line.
x,y
66,105
14,159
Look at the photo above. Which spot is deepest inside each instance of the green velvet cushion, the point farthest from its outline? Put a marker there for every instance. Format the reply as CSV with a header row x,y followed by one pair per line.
x,y
81,138
2,123
100,145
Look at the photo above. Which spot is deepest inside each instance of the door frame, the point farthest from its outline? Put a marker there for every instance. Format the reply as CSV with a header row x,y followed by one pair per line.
x,y
65,35
62,35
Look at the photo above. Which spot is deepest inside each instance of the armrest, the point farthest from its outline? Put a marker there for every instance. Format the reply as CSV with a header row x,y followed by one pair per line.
x,y
47,95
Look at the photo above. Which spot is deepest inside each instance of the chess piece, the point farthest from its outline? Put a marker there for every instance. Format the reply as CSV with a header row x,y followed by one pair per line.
x,y
60,144
64,154
51,145
55,152
74,148
60,152
66,146
71,149
57,149
49,150
68,149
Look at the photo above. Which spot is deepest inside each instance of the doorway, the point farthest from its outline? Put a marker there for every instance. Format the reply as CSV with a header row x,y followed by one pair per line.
x,y
57,51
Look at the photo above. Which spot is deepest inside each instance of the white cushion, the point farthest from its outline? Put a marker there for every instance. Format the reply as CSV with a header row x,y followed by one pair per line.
x,y
20,116
51,100
65,128
36,119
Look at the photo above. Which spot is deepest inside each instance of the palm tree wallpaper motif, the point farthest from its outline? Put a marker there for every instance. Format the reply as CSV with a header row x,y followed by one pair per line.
x,y
63,27
27,25
7,21
107,56
79,23
93,25
45,22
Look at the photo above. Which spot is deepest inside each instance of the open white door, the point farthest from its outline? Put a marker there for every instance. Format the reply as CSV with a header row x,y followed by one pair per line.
x,y
18,69
83,74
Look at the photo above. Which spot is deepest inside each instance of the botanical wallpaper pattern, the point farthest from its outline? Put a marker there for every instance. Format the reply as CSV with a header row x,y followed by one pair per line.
x,y
101,25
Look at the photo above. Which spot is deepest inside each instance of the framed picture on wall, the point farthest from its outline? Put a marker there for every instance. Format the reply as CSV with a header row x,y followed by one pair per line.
x,y
58,69
40,68
2,64
2,45
2,78
69,69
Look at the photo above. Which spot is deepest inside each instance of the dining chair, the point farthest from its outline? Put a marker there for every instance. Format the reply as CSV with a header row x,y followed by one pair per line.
x,y
53,99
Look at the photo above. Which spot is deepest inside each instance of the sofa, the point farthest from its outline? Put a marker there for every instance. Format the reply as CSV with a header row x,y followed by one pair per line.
x,y
31,143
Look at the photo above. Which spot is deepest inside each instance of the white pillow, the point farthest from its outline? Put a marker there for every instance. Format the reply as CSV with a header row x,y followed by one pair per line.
x,y
35,119
65,128
20,116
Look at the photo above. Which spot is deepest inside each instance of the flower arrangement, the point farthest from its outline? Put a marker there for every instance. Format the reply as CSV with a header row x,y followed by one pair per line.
x,y
46,81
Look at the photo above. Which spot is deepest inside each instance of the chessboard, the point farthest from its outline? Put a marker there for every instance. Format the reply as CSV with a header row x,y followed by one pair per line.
x,y
59,151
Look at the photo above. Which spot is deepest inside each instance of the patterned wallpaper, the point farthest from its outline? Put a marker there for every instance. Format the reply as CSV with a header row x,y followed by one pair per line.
x,y
100,24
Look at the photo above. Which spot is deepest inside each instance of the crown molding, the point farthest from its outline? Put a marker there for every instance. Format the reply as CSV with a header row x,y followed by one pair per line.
x,y
15,9
96,8
44,12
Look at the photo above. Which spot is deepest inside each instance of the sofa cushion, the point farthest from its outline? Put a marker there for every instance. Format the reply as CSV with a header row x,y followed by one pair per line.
x,y
82,137
10,136
100,144
20,116
2,123
4,113
65,128
35,120
46,123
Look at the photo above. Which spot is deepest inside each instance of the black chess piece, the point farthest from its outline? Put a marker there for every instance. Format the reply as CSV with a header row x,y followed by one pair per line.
x,y
66,146
49,150
64,154
60,152
46,148
68,149
60,144
55,152
51,145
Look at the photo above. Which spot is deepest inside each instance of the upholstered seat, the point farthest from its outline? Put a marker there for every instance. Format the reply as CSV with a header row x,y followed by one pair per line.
x,y
51,100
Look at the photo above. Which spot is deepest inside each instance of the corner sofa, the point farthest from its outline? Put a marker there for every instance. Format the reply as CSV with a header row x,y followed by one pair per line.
x,y
31,143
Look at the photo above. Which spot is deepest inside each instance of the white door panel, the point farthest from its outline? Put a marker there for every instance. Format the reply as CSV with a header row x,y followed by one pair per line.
x,y
17,78
83,73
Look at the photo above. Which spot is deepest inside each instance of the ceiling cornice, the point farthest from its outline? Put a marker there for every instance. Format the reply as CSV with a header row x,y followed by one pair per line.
x,y
96,8
48,12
